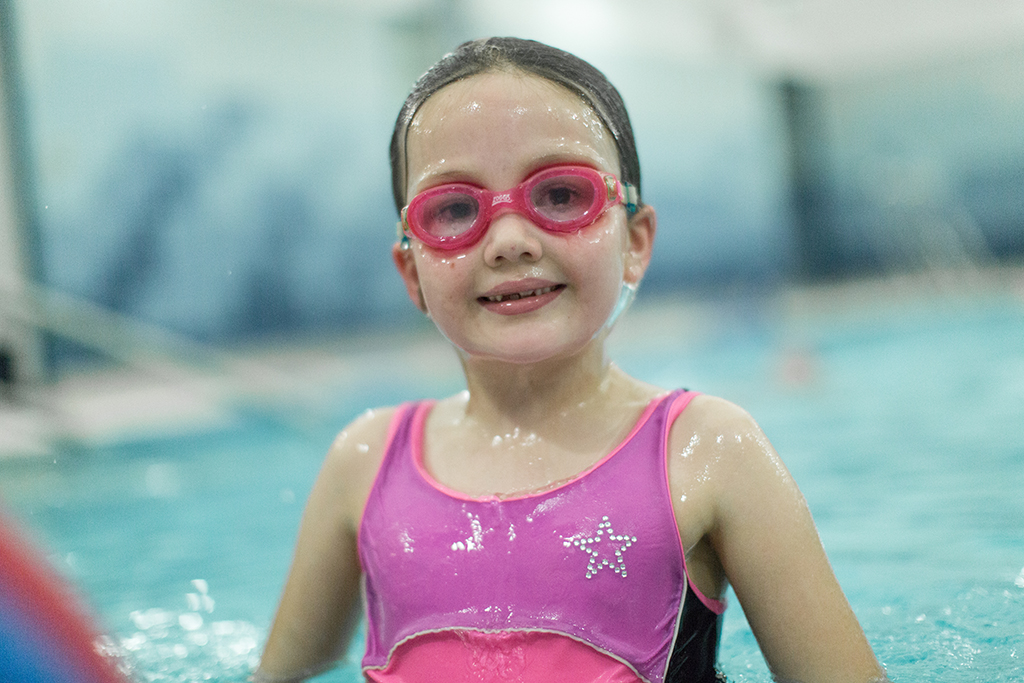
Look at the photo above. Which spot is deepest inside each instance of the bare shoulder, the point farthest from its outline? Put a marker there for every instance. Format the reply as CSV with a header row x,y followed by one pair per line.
x,y
712,413
353,459
728,460
721,434
719,459
364,436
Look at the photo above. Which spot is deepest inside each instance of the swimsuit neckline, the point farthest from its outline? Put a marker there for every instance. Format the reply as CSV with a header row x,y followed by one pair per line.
x,y
418,436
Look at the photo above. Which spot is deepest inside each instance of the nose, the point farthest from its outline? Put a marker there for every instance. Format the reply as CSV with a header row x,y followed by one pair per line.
x,y
511,237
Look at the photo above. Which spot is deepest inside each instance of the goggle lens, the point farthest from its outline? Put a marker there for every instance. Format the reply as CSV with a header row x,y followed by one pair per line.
x,y
446,215
564,199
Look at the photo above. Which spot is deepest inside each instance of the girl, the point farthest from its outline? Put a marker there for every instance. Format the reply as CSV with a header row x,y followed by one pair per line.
x,y
558,520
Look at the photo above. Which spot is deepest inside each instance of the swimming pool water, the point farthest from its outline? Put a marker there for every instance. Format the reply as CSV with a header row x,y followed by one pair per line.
x,y
904,428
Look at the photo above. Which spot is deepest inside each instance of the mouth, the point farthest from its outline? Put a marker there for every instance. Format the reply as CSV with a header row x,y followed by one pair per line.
x,y
515,296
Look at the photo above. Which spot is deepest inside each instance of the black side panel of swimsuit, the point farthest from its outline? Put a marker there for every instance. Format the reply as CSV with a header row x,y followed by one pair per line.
x,y
695,650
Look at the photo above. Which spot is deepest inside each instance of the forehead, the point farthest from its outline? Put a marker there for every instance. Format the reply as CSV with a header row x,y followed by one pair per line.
x,y
495,120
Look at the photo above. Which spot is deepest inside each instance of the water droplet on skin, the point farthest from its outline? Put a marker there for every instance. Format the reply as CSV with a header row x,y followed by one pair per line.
x,y
694,442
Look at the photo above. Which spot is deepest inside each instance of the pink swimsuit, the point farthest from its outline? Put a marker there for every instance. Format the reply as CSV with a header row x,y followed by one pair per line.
x,y
584,582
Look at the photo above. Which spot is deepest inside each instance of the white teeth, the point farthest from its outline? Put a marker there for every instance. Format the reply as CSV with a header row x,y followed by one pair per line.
x,y
520,295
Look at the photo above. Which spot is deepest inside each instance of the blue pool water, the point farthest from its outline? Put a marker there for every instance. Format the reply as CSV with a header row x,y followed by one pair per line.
x,y
903,423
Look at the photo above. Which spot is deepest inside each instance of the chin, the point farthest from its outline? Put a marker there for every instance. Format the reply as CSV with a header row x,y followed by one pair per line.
x,y
527,352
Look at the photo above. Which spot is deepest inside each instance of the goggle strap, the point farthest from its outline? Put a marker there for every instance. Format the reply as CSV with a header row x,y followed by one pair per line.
x,y
402,228
630,197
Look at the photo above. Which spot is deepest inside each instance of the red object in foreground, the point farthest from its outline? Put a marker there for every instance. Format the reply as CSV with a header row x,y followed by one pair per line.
x,y
46,635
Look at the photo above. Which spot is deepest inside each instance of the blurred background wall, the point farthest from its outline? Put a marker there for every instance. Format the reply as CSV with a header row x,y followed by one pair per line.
x,y
218,168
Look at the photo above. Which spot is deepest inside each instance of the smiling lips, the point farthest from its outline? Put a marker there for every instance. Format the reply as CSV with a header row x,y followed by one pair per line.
x,y
524,300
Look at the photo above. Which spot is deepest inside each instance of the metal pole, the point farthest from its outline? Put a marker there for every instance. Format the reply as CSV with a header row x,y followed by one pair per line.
x,y
21,352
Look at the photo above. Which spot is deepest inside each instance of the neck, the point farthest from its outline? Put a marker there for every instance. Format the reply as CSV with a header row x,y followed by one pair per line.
x,y
522,427
545,393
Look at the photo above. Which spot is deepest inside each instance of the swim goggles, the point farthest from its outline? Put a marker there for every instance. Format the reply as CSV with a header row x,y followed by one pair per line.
x,y
560,199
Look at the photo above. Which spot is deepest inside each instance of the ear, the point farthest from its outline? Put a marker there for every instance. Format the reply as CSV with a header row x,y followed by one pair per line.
x,y
406,265
640,241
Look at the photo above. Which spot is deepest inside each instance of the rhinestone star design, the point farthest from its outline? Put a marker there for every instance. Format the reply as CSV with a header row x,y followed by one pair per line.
x,y
605,548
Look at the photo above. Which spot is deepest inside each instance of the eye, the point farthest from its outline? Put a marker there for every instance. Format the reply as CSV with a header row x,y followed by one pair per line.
x,y
456,210
560,196
449,213
563,197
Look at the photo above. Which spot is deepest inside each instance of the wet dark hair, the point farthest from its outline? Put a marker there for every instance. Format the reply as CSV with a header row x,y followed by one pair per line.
x,y
526,56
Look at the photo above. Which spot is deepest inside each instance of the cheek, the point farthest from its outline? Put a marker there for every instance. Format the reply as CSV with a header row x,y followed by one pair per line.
x,y
441,276
611,288
600,257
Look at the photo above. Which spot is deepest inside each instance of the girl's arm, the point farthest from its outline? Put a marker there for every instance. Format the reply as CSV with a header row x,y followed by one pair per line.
x,y
765,540
319,608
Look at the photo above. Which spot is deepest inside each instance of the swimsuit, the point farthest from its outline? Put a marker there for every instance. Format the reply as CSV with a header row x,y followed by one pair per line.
x,y
583,582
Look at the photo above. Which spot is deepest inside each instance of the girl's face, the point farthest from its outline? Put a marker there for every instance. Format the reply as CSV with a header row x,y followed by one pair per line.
x,y
520,294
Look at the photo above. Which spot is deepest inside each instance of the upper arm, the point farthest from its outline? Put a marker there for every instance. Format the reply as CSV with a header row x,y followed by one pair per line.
x,y
765,539
319,606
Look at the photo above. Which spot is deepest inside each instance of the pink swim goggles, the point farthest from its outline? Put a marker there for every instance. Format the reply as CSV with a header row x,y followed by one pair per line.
x,y
560,199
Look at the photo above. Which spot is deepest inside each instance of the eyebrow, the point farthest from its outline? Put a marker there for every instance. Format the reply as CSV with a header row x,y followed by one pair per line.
x,y
462,176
